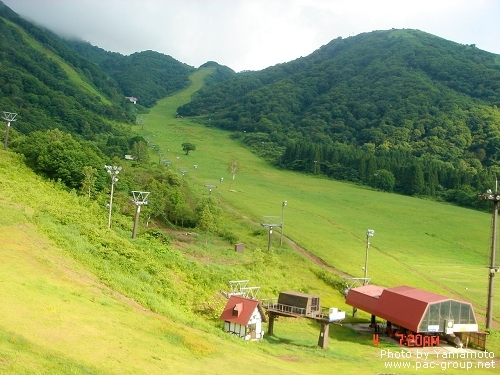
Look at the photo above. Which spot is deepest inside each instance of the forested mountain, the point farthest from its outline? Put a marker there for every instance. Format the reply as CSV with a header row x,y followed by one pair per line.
x,y
222,73
72,116
49,85
146,75
404,104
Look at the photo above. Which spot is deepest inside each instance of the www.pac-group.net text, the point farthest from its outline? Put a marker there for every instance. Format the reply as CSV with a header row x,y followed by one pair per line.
x,y
437,359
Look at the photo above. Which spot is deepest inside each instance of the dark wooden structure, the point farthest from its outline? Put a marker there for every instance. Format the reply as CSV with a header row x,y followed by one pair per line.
x,y
299,303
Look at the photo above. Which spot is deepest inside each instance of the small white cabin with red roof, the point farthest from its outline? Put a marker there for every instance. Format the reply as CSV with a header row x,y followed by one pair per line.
x,y
243,317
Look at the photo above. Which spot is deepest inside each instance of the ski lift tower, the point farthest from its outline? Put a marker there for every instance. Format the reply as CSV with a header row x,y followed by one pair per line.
x,y
9,117
239,288
210,184
140,198
183,171
271,222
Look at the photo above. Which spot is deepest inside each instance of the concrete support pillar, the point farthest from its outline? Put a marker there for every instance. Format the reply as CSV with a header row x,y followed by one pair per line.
x,y
323,335
270,326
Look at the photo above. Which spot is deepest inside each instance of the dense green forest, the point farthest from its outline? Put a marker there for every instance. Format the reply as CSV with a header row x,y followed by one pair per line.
x,y
72,117
404,104
146,75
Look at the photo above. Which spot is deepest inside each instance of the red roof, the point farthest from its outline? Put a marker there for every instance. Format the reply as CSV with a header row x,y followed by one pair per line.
x,y
365,297
239,310
402,305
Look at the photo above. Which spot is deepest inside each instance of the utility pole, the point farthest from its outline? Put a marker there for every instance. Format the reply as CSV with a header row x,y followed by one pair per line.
x,y
113,171
9,117
493,268
140,198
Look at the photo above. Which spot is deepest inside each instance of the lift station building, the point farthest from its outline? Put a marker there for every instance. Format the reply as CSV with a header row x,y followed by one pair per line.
x,y
414,309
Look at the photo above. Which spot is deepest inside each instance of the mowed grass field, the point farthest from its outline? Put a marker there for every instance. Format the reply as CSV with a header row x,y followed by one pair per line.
x,y
417,242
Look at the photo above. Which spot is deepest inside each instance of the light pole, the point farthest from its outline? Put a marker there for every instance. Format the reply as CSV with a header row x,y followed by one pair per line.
x,y
9,117
113,171
140,198
495,198
369,233
282,220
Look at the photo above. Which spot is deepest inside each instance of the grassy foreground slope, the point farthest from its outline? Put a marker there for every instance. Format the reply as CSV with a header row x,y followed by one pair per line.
x,y
62,314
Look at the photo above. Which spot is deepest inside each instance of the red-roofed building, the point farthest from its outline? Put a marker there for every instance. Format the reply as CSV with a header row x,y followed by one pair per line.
x,y
243,317
414,309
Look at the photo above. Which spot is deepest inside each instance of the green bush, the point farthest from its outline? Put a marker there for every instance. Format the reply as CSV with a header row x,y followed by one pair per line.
x,y
228,236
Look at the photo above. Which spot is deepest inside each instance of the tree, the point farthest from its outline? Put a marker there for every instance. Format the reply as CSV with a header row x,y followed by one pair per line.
x,y
206,222
208,214
140,151
413,183
183,213
186,147
233,166
89,179
59,156
383,179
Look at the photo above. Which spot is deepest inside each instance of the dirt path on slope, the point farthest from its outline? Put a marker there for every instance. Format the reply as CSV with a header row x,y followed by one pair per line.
x,y
316,259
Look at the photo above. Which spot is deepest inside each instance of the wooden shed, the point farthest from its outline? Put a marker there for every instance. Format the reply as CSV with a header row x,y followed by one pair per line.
x,y
302,304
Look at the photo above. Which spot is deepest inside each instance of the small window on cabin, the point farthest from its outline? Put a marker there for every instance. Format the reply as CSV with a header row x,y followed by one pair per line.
x,y
237,309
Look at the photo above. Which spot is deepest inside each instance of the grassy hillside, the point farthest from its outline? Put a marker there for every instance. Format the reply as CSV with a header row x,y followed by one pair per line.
x,y
437,246
81,299
67,283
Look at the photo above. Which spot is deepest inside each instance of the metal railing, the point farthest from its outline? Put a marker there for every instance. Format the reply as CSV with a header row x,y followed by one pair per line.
x,y
273,305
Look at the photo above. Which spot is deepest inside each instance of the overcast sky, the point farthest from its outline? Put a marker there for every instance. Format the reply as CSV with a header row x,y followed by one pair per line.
x,y
255,34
